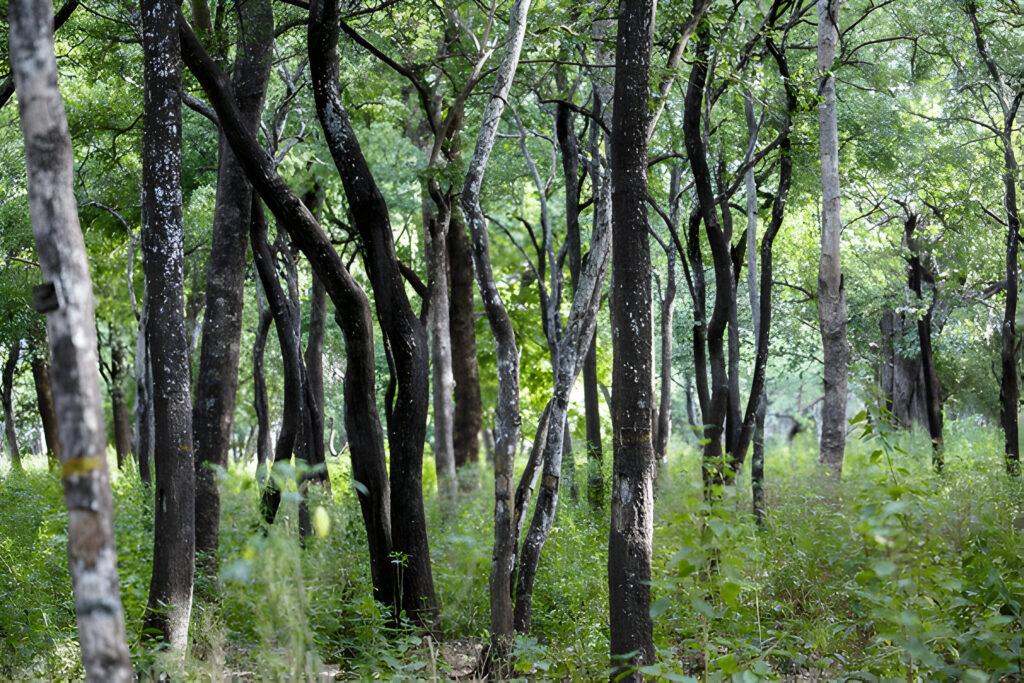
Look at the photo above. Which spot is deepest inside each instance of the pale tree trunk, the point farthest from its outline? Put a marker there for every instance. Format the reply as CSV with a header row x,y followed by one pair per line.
x,y
507,418
170,596
217,379
7,401
632,514
831,290
67,299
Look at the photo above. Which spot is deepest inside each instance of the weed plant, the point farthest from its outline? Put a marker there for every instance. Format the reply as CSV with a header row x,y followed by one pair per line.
x,y
893,572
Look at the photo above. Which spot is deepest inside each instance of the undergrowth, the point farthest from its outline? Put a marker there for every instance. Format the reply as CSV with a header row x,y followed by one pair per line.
x,y
893,572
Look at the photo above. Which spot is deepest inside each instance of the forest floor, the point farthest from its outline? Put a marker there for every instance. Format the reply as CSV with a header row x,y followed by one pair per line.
x,y
893,572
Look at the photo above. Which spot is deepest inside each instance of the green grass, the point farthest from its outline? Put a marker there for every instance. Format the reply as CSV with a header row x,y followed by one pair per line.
x,y
893,572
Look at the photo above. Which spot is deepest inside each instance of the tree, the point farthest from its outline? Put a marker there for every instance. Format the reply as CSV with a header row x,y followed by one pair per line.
x,y
66,298
632,514
7,401
169,608
831,289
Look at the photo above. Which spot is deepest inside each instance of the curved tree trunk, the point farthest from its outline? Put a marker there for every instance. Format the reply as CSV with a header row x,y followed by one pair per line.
x,y
632,515
217,379
405,338
352,312
71,329
507,418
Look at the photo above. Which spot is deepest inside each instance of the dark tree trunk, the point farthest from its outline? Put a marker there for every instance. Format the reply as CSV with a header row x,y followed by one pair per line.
x,y
462,319
142,442
277,300
632,515
929,378
7,399
119,407
352,313
404,335
592,417
47,412
261,404
170,595
1009,391
217,380
71,329
715,409
314,359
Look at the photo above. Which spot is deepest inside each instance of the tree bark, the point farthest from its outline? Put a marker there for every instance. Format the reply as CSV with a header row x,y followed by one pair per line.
x,y
47,411
632,514
507,418
143,440
291,419
831,290
663,428
468,417
217,379
352,313
405,338
170,595
119,407
7,398
71,329
261,404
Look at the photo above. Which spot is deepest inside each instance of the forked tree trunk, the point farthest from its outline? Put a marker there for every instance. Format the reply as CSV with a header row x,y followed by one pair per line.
x,y
831,290
7,402
170,595
67,299
507,417
404,335
632,514
352,313
217,379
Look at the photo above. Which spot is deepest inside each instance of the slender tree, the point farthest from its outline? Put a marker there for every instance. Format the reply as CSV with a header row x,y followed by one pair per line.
x,y
831,289
7,402
67,299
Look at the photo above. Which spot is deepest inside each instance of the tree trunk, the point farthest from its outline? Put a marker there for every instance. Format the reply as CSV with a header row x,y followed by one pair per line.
x,y
291,419
663,428
632,515
405,338
7,398
468,418
71,328
143,442
119,407
507,418
47,411
436,225
170,595
314,360
352,313
831,290
261,403
217,379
